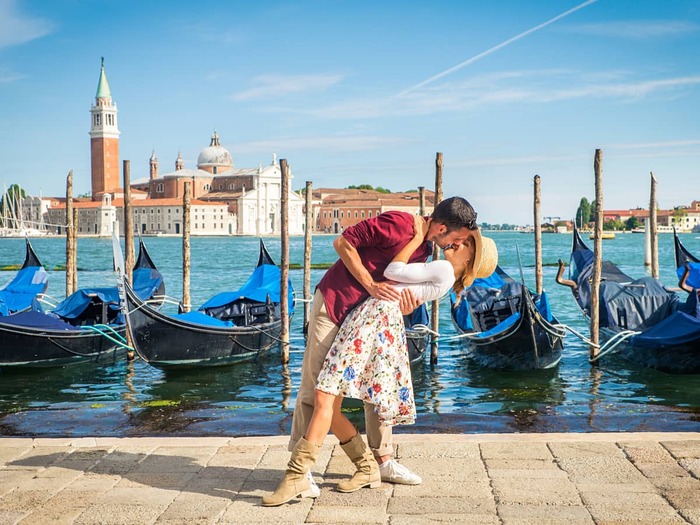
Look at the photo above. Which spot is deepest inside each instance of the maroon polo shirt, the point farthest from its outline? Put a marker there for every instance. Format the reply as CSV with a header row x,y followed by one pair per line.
x,y
377,241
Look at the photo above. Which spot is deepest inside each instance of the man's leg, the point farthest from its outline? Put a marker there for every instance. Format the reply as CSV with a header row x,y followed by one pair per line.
x,y
320,337
380,439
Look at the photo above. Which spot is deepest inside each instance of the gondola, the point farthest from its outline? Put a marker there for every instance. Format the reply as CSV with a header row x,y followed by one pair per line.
x,y
506,325
31,280
417,338
228,328
640,319
686,261
86,326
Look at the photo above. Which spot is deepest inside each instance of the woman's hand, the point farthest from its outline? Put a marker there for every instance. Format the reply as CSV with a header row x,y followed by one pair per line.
x,y
420,227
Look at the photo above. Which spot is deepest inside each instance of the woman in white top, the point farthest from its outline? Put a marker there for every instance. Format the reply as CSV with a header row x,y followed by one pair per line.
x,y
369,358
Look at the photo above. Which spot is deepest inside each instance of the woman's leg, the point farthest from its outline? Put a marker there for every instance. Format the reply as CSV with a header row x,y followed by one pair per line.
x,y
324,407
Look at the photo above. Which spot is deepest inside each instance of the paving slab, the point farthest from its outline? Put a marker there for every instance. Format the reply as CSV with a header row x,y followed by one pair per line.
x,y
498,479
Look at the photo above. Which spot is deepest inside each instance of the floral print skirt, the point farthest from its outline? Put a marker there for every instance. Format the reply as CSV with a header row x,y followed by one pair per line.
x,y
369,361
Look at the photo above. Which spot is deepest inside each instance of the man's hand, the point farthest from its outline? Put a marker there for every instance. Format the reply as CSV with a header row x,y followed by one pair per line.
x,y
408,301
384,290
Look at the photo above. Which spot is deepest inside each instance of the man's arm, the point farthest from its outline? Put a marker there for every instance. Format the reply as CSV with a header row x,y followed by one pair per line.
x,y
351,259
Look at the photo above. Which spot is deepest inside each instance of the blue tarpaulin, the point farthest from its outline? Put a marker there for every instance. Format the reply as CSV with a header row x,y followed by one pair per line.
x,y
203,319
264,281
19,293
678,328
74,305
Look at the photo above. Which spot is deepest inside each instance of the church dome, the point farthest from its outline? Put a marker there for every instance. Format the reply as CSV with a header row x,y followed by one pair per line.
x,y
214,155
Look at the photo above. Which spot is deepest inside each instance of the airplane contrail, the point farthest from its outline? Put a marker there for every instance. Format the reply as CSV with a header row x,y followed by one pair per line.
x,y
496,48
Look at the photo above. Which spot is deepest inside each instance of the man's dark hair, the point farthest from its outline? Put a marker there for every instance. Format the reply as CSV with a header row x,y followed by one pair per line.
x,y
455,213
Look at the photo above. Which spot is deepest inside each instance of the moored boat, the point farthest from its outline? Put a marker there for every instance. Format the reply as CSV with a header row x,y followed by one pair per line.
x,y
507,326
86,326
230,327
30,281
639,318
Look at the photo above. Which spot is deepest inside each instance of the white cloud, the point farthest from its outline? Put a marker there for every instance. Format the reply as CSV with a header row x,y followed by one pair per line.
x,y
272,86
16,28
635,28
324,143
477,93
7,76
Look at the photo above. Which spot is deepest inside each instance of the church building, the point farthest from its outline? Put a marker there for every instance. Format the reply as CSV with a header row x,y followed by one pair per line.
x,y
225,200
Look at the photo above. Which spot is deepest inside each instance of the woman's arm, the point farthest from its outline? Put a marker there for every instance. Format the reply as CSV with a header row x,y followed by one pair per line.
x,y
420,228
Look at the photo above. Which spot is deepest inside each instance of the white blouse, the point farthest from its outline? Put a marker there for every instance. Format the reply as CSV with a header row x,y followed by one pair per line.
x,y
428,281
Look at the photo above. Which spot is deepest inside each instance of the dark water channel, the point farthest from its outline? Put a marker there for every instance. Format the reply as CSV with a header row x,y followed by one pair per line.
x,y
119,398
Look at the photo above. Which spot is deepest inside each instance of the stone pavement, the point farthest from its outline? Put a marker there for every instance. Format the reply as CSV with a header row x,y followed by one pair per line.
x,y
481,479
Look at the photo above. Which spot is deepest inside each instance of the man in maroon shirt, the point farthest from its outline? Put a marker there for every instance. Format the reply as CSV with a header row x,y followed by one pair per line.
x,y
365,250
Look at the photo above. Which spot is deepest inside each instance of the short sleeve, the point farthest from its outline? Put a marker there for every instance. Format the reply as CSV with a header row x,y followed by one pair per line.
x,y
387,228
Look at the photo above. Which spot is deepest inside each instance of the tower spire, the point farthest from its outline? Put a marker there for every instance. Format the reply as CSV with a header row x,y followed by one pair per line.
x,y
103,85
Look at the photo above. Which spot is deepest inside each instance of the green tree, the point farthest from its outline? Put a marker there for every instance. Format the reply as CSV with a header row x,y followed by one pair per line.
x,y
583,213
632,223
613,224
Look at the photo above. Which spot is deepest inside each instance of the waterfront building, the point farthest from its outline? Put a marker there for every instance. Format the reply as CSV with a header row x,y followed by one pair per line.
x,y
252,195
336,209
683,218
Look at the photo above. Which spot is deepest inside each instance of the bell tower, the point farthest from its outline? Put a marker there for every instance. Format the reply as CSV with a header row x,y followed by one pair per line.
x,y
104,140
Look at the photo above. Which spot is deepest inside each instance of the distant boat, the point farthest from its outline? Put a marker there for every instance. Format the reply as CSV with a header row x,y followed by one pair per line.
x,y
652,326
603,235
661,228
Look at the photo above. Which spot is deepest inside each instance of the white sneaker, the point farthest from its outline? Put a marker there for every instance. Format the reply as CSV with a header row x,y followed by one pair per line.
x,y
314,491
394,472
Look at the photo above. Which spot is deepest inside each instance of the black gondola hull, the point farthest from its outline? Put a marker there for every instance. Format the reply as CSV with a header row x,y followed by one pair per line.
x,y
531,343
165,342
417,342
45,348
682,358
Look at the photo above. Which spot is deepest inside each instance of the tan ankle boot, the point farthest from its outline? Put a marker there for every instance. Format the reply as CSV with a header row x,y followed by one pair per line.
x,y
295,482
367,468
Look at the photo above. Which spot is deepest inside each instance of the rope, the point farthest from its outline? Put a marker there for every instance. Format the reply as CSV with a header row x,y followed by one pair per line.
x,y
96,328
577,334
613,343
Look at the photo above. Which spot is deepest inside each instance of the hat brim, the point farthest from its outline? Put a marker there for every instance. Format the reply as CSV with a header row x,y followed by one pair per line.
x,y
469,275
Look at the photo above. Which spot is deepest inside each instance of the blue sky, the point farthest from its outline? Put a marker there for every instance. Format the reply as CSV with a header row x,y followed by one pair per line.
x,y
359,92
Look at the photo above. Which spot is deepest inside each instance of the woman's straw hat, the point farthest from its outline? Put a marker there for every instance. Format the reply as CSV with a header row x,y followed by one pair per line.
x,y
484,262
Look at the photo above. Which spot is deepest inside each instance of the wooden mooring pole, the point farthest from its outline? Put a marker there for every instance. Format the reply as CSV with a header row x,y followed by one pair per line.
x,y
69,231
129,256
597,254
284,262
538,237
186,261
421,201
653,230
309,228
74,250
435,308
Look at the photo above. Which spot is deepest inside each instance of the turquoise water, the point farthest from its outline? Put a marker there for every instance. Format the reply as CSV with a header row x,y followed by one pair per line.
x,y
134,399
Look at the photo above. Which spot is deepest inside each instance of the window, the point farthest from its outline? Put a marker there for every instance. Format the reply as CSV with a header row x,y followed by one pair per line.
x,y
356,215
370,214
160,188
363,214
221,186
